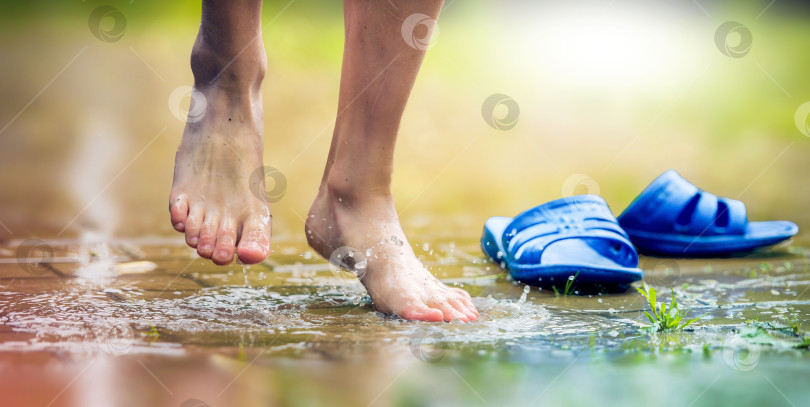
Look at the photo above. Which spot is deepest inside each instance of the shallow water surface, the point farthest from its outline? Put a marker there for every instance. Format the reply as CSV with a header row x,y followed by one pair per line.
x,y
149,313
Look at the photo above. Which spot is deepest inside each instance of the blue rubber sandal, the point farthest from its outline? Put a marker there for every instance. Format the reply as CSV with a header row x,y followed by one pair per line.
x,y
576,236
672,217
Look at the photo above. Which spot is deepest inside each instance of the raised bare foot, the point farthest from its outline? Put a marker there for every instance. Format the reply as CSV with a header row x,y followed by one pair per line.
x,y
396,280
211,199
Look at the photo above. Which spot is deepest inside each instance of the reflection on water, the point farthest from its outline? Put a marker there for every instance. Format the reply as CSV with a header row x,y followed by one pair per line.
x,y
124,309
155,296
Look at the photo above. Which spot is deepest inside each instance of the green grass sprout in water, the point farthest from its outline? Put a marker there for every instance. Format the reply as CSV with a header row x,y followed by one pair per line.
x,y
665,318
569,286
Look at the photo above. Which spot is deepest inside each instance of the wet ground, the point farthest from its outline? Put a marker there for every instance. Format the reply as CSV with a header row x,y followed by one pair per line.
x,y
91,321
129,316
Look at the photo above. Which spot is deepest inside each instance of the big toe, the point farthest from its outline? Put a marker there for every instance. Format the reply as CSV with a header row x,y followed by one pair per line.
x,y
254,246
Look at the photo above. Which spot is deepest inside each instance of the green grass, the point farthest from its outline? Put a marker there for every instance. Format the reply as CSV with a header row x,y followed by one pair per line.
x,y
153,332
794,324
569,286
665,317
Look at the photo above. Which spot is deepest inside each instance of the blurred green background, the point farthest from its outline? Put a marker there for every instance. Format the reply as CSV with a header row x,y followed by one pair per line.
x,y
611,93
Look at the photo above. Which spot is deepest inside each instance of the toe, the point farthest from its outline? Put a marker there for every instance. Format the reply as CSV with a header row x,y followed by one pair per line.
x,y
463,294
458,305
422,312
179,212
254,244
448,311
468,306
192,226
226,240
208,235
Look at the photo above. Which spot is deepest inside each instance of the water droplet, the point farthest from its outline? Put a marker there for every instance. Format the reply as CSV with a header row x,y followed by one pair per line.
x,y
571,278
526,290
368,252
393,238
399,242
425,247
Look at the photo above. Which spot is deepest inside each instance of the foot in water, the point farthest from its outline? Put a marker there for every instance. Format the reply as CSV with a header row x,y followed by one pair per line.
x,y
211,200
354,206
396,280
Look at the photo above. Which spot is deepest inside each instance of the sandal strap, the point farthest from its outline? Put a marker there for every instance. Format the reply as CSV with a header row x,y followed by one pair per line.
x,y
671,204
581,217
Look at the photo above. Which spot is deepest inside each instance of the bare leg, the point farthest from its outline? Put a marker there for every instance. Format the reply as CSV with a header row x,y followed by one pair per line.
x,y
354,206
210,199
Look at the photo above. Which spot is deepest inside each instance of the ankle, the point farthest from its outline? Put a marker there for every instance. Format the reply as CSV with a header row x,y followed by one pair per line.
x,y
238,69
345,187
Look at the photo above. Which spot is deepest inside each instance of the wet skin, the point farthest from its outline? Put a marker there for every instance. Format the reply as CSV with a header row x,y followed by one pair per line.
x,y
211,199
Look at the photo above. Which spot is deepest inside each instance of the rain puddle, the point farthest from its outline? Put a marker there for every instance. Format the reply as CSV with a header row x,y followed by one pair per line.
x,y
153,298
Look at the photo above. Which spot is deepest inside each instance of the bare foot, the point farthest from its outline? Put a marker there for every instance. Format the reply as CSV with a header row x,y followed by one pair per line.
x,y
396,280
211,199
